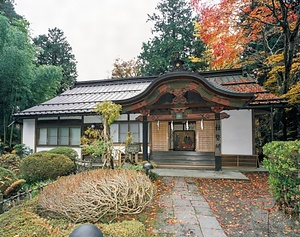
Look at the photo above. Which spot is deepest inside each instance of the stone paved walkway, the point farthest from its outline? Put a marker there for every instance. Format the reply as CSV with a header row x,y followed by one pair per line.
x,y
185,211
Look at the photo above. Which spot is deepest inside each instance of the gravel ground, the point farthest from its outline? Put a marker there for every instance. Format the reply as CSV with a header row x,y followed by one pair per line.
x,y
246,208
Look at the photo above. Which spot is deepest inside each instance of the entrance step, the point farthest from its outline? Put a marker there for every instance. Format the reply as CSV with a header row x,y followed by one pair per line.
x,y
185,159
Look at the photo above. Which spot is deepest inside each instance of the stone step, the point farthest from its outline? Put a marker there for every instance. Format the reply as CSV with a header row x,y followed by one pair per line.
x,y
183,158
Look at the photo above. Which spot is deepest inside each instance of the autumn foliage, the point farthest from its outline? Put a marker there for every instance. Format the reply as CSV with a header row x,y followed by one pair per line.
x,y
219,29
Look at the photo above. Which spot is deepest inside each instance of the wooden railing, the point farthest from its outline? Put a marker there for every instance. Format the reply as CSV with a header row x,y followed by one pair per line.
x,y
6,204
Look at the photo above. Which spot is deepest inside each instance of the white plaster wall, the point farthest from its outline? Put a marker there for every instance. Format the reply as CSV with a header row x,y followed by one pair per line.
x,y
28,136
237,133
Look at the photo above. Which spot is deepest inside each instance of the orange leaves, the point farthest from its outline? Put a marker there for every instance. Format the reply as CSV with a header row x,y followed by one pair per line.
x,y
218,28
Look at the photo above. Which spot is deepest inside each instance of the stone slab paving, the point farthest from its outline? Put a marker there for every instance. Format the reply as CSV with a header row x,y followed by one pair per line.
x,y
200,173
184,211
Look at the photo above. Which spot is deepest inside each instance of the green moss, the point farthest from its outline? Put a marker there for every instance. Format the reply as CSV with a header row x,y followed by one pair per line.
x,y
124,229
22,221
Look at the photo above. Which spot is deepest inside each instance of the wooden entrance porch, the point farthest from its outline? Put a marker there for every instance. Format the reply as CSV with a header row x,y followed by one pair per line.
x,y
201,160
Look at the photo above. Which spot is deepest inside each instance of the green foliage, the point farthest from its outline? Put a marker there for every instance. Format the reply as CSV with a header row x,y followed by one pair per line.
x,y
283,160
93,144
7,177
139,167
96,149
124,229
43,166
23,221
8,10
16,64
55,50
23,84
22,150
108,110
11,162
173,38
67,151
47,80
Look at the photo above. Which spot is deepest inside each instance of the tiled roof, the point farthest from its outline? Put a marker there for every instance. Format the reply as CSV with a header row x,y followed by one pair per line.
x,y
83,96
245,84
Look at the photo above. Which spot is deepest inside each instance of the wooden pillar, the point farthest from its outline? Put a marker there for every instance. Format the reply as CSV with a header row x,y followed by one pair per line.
x,y
145,113
145,138
218,131
218,145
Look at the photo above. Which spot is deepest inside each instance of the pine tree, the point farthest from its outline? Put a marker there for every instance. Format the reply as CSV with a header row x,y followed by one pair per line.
x,y
173,38
55,50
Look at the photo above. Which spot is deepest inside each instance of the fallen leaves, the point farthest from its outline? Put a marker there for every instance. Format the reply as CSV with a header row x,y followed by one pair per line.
x,y
246,208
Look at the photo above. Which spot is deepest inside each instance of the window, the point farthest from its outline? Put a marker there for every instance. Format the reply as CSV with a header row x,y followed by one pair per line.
x,y
63,136
119,132
52,136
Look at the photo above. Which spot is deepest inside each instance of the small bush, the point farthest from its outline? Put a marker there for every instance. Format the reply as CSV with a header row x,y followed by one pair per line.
x,y
22,150
11,162
67,151
7,177
97,195
43,166
283,163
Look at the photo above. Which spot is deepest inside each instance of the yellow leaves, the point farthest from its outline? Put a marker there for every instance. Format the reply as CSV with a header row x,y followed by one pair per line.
x,y
293,95
108,110
276,74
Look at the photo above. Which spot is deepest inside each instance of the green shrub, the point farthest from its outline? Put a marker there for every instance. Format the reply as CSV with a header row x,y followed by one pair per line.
x,y
97,195
43,166
67,151
139,167
7,177
22,150
283,163
124,229
11,162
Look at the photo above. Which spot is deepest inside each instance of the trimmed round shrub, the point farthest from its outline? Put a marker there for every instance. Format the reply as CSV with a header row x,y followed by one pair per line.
x,y
96,196
11,162
44,166
67,151
7,177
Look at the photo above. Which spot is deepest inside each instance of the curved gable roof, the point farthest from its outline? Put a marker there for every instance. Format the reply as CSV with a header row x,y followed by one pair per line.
x,y
84,95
